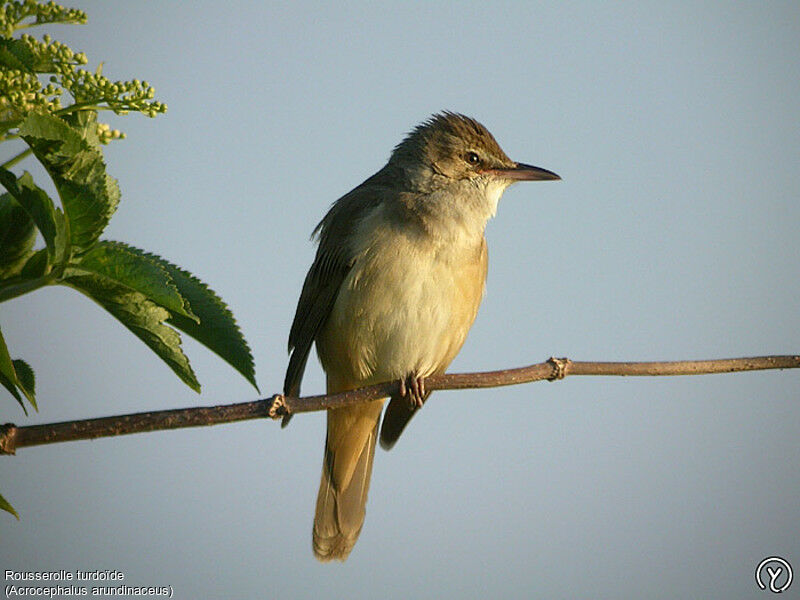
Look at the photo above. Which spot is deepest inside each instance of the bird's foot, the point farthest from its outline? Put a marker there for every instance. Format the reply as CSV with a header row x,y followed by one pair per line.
x,y
413,388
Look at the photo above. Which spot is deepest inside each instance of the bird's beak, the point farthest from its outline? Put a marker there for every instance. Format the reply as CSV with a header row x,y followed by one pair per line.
x,y
523,172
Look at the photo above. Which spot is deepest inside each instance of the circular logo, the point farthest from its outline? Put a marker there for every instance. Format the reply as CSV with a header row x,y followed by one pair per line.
x,y
774,573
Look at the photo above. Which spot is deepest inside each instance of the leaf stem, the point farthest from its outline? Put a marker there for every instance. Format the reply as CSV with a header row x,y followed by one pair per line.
x,y
86,105
12,288
13,161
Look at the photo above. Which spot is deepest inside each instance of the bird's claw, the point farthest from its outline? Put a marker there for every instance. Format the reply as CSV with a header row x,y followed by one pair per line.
x,y
413,388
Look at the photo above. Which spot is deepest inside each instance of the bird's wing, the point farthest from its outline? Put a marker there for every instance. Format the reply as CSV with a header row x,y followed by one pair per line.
x,y
335,257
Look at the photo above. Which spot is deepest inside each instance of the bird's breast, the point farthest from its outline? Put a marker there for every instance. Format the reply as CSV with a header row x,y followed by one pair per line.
x,y
405,307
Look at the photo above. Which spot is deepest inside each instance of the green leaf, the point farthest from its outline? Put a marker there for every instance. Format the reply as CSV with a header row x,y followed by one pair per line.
x,y
43,127
12,388
89,195
135,269
7,368
85,123
62,242
26,380
193,307
217,329
16,55
39,206
142,316
17,235
36,266
7,507
8,375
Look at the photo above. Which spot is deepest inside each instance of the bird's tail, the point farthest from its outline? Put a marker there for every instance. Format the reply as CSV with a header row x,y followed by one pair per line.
x,y
346,470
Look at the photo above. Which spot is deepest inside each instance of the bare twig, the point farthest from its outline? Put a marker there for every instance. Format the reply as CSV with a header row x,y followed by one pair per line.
x,y
277,406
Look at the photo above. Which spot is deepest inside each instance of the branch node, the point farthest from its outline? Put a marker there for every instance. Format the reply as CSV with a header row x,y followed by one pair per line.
x,y
277,407
8,439
559,368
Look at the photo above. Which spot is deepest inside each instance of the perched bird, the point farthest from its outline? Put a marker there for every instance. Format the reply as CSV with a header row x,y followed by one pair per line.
x,y
395,286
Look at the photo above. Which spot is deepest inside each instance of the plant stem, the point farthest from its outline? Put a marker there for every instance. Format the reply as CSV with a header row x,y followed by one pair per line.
x,y
21,156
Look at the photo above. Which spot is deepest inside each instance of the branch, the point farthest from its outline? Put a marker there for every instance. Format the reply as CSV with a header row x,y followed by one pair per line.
x,y
278,406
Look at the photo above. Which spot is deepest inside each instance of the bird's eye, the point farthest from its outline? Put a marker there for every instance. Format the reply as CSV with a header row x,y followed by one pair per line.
x,y
473,158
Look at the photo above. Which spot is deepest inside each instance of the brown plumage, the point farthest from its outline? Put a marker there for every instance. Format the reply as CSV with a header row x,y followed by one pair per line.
x,y
395,286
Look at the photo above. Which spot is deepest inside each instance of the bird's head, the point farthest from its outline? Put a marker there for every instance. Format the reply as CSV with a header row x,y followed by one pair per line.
x,y
452,147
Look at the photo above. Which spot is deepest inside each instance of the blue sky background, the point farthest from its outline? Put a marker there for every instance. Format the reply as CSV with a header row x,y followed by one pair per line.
x,y
673,235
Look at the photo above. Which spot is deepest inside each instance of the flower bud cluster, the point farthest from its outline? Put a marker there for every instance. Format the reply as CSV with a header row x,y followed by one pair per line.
x,y
53,56
120,96
22,89
12,15
105,134
21,93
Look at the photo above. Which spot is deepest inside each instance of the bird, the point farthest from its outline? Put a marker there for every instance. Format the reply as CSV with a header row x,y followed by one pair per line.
x,y
398,276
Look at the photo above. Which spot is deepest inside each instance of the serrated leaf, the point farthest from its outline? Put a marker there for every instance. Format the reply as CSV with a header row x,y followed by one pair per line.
x,y
43,126
17,234
141,316
89,195
4,504
217,329
8,375
135,269
26,380
40,208
85,123
16,54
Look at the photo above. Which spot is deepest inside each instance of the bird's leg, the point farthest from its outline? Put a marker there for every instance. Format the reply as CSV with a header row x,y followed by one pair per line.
x,y
413,388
